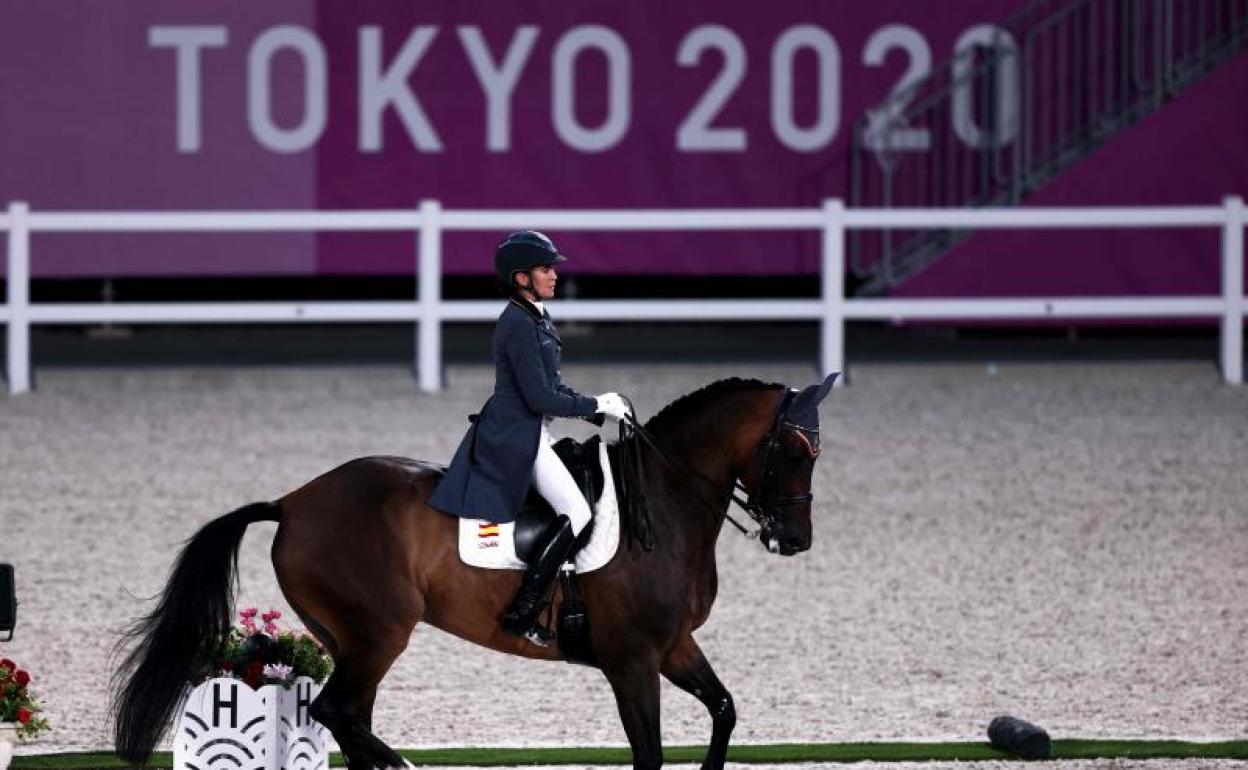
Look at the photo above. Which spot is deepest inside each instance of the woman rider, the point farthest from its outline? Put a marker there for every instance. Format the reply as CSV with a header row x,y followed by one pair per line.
x,y
508,446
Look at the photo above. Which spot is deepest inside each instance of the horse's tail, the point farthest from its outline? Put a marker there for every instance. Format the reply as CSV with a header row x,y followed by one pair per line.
x,y
183,634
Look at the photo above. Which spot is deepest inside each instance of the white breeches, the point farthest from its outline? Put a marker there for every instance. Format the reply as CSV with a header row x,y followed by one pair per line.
x,y
553,482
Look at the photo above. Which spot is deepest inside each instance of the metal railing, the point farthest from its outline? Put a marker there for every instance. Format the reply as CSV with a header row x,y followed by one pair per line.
x,y
429,310
1020,103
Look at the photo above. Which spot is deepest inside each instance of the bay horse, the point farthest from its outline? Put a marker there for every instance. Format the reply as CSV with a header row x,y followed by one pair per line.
x,y
361,559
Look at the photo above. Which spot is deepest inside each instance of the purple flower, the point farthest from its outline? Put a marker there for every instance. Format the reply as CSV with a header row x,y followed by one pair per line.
x,y
278,672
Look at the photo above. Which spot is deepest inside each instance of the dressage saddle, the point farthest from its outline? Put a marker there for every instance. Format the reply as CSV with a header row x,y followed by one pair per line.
x,y
536,518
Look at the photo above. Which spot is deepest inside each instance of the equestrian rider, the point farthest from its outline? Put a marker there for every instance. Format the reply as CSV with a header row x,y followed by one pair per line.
x,y
508,446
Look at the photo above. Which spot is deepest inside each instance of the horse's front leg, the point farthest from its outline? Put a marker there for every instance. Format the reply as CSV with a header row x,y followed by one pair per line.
x,y
636,686
686,667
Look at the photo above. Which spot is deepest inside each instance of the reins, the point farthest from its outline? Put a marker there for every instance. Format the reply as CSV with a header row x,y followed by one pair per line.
x,y
634,504
634,427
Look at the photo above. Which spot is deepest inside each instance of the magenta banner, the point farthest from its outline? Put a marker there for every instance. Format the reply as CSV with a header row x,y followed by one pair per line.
x,y
235,105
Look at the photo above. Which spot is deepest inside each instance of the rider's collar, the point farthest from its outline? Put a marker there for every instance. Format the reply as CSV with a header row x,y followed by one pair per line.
x,y
533,309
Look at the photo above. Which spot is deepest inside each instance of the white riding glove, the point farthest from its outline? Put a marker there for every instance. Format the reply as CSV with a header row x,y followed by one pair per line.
x,y
613,406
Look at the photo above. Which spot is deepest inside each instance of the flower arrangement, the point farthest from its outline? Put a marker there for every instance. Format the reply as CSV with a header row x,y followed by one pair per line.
x,y
18,703
267,655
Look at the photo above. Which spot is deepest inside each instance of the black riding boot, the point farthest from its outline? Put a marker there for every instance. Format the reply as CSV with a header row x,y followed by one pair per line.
x,y
521,618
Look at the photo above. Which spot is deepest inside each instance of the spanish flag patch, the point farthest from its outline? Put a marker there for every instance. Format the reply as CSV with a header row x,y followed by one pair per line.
x,y
486,529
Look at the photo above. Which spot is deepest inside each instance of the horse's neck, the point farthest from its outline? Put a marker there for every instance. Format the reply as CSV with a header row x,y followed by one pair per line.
x,y
709,453
719,440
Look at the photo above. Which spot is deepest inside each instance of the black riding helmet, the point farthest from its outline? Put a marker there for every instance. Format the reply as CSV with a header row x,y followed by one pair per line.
x,y
521,252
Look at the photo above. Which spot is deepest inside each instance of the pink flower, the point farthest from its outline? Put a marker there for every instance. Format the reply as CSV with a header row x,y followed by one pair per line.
x,y
271,616
270,629
248,620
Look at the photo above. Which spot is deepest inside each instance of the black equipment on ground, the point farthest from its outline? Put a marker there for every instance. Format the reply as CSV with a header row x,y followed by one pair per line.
x,y
1018,737
8,602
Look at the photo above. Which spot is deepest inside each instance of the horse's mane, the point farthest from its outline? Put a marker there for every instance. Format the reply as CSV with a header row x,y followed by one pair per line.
x,y
691,403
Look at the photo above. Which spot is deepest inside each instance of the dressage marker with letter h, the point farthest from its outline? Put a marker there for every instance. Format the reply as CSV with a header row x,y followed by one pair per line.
x,y
226,725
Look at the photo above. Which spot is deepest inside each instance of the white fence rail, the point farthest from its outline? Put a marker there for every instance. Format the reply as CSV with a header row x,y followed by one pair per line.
x,y
429,310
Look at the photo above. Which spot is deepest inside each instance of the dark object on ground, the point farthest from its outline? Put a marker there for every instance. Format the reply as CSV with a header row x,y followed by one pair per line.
x,y
8,602
1018,737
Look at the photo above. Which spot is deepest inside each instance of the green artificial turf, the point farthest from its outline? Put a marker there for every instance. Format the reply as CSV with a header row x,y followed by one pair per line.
x,y
757,754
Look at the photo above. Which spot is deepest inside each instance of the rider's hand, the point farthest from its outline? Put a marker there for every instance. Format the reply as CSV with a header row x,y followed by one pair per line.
x,y
613,406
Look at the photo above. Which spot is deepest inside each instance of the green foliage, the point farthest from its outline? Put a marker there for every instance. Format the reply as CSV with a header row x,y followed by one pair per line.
x,y
269,655
305,655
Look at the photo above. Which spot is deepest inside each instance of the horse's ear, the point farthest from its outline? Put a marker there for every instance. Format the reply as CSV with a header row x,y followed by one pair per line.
x,y
805,407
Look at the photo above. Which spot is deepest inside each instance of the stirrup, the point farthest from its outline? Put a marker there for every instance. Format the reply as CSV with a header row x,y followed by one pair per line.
x,y
539,636
531,628
536,633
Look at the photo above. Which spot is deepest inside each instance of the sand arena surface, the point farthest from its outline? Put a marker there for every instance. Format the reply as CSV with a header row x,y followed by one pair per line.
x,y
1064,543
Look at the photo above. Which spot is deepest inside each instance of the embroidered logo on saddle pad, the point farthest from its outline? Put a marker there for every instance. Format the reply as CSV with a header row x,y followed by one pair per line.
x,y
492,546
487,535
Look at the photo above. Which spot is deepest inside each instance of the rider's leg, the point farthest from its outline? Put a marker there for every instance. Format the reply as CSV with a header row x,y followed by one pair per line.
x,y
553,482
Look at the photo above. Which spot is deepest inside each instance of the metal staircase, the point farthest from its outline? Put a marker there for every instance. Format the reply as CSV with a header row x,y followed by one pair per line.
x,y
1017,105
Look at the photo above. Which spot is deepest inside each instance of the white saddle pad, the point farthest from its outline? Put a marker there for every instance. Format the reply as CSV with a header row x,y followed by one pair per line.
x,y
493,546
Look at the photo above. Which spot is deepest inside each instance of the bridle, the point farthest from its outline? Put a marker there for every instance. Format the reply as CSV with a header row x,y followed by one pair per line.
x,y
764,501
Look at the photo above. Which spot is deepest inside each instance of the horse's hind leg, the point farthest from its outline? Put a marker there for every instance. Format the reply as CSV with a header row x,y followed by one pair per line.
x,y
686,667
364,646
345,705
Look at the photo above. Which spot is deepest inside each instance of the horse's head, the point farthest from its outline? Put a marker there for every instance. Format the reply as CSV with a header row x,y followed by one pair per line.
x,y
778,474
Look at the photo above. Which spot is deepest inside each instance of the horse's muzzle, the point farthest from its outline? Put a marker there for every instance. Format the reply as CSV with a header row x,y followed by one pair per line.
x,y
785,545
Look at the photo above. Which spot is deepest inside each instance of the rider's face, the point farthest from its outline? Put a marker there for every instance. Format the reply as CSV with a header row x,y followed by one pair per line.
x,y
543,279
